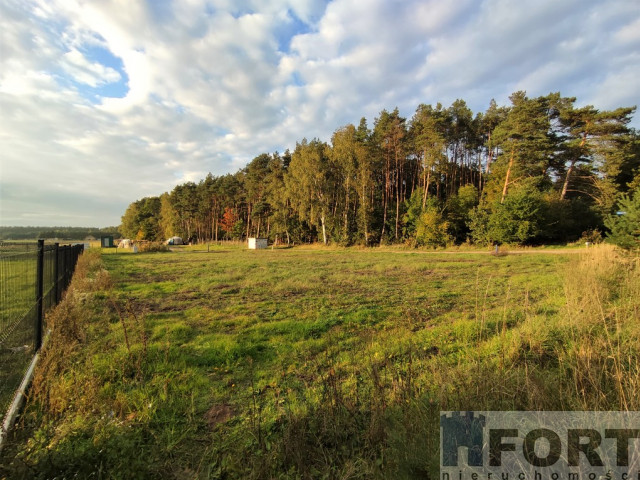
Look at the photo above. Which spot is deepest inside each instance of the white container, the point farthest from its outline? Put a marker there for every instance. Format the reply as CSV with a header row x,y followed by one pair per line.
x,y
257,243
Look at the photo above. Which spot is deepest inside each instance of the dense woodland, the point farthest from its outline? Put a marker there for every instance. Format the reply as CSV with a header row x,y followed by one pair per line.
x,y
540,170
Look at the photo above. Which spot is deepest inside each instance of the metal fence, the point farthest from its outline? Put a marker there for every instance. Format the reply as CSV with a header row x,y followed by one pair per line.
x,y
33,277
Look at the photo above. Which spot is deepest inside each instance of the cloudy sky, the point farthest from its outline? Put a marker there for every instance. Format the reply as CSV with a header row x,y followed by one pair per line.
x,y
103,102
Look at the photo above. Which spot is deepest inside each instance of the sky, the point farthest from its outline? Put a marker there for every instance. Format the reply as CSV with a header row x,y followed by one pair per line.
x,y
104,102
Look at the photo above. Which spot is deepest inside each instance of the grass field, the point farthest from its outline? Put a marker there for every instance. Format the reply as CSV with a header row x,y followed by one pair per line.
x,y
316,363
17,317
18,308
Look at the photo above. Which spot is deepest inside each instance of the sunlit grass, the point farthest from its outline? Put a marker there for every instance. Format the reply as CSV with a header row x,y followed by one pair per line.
x,y
318,362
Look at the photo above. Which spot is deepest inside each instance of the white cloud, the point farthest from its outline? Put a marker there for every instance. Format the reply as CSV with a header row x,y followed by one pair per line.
x,y
91,73
629,34
213,83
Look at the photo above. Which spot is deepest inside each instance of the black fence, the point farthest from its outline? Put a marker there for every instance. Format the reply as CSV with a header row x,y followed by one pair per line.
x,y
33,277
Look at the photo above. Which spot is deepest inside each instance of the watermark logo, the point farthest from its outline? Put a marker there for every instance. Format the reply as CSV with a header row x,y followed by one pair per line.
x,y
540,446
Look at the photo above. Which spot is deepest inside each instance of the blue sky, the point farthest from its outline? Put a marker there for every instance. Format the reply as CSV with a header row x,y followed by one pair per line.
x,y
105,102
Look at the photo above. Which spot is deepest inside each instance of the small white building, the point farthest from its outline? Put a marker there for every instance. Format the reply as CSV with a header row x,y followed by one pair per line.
x,y
257,243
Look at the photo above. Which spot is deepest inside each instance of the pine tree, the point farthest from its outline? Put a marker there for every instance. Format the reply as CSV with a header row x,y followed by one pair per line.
x,y
309,184
625,224
591,135
428,133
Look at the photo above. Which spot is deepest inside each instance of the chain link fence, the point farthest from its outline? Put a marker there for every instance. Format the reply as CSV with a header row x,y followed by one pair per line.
x,y
33,277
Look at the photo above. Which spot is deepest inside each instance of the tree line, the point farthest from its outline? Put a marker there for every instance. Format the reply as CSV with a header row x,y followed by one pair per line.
x,y
538,170
66,233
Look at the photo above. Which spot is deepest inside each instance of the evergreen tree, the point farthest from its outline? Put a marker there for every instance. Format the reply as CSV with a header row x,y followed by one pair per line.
x,y
344,159
375,186
624,226
428,130
525,144
365,181
309,184
593,135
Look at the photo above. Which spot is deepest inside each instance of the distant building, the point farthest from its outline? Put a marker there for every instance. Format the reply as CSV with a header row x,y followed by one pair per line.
x,y
257,243
106,241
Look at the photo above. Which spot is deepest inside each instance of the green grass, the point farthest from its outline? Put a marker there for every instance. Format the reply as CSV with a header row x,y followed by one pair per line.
x,y
18,312
295,363
17,317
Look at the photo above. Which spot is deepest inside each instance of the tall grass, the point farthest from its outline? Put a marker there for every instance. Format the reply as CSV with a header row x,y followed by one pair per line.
x,y
586,357
339,372
601,326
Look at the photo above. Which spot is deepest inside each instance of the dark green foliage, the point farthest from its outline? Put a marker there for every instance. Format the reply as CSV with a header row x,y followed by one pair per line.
x,y
413,209
566,220
458,212
624,226
141,221
370,186
517,220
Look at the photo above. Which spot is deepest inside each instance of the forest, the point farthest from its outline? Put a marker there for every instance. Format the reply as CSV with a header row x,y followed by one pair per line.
x,y
540,170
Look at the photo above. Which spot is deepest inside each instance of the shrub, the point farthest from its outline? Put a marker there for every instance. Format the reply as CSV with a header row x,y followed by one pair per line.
x,y
152,247
432,229
625,226
459,208
517,220
592,236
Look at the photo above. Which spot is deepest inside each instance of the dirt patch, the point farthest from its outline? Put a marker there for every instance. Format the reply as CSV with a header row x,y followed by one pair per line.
x,y
148,278
217,414
187,295
145,305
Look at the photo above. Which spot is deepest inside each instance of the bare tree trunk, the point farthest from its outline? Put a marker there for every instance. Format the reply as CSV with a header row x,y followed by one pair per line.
x,y
479,172
490,156
398,186
365,219
506,179
565,185
346,211
385,202
397,214
248,219
426,189
324,230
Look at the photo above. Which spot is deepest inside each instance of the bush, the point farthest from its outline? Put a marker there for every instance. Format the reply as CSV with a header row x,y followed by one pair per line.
x,y
517,220
625,227
432,229
146,247
459,208
591,236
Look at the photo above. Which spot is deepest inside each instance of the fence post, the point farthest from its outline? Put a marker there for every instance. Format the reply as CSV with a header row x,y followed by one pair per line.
x,y
67,262
39,292
56,275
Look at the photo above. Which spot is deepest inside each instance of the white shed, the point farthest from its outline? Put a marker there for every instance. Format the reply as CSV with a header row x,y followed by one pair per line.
x,y
257,243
